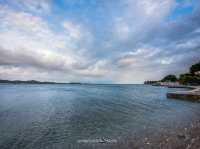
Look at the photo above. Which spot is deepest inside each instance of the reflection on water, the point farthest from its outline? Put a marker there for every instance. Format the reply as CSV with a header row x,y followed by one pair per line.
x,y
56,116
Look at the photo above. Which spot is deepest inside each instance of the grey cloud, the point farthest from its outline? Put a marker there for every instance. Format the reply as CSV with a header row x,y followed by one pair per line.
x,y
132,46
23,58
167,36
26,59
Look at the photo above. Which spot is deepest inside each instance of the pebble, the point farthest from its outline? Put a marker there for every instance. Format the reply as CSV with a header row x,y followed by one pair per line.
x,y
181,136
188,146
193,140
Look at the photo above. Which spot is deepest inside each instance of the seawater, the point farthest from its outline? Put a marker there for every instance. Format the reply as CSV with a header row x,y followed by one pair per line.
x,y
60,116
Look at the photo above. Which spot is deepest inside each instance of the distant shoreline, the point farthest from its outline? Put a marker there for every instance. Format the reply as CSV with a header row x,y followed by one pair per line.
x,y
46,82
30,82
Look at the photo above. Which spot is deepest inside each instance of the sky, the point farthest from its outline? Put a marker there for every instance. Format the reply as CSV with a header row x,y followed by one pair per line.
x,y
98,41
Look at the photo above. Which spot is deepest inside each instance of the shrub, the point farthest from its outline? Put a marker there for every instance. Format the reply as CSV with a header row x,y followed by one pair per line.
x,y
169,78
189,79
195,68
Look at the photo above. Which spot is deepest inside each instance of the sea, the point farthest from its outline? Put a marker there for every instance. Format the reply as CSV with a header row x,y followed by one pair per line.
x,y
70,116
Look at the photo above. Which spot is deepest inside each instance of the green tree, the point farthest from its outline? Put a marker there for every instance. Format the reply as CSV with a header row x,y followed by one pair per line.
x,y
169,78
194,68
189,79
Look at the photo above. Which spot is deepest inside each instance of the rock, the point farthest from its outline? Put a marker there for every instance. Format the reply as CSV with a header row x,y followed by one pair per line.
x,y
188,146
181,136
193,140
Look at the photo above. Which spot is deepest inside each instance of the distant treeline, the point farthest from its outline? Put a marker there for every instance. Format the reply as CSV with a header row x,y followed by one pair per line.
x,y
190,78
150,82
34,82
26,82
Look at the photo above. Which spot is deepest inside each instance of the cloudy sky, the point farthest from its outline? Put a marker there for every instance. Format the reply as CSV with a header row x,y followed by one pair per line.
x,y
103,41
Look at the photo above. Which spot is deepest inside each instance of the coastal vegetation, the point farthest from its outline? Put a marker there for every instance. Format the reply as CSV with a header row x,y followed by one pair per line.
x,y
169,78
193,77
190,78
195,69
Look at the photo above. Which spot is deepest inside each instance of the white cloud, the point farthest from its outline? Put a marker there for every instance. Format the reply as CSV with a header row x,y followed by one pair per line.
x,y
36,45
98,69
167,61
139,17
34,6
121,29
150,8
77,32
130,42
144,52
189,44
72,29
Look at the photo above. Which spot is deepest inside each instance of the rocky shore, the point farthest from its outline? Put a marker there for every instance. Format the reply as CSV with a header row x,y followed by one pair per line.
x,y
193,95
181,138
184,138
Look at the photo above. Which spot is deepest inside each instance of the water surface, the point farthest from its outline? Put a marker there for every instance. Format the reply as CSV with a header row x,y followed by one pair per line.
x,y
56,116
